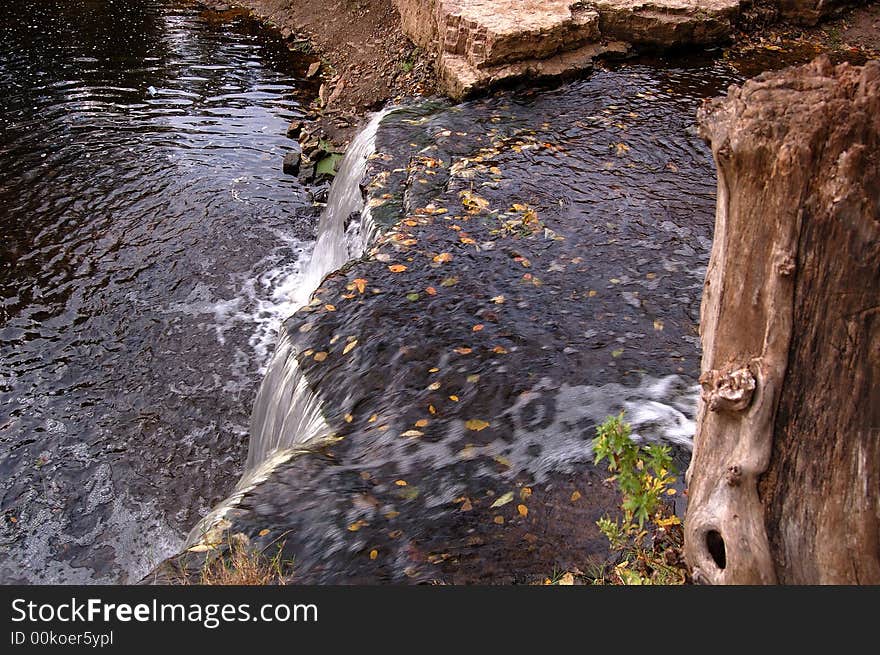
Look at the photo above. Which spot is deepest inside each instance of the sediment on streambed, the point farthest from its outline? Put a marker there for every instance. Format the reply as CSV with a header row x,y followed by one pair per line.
x,y
503,311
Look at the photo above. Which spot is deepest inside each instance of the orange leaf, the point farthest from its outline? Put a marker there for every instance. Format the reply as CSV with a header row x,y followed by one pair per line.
x,y
397,268
523,510
320,357
431,291
360,284
443,257
476,424
477,327
330,308
463,350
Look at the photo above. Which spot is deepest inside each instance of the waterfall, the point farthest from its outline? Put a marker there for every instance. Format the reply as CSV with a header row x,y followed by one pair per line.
x,y
286,414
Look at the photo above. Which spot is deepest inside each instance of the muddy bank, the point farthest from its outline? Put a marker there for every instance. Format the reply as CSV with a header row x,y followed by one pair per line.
x,y
540,269
367,60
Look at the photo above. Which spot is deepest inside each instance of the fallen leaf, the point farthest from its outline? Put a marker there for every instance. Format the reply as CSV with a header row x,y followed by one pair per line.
x,y
473,378
397,268
422,422
263,532
453,398
443,257
501,350
349,418
498,300
330,308
320,357
658,324
525,493
575,496
434,386
502,500
360,284
523,510
566,580
477,327
466,505
374,554
412,296
476,424
431,291
412,433
499,520
348,348
463,350
400,483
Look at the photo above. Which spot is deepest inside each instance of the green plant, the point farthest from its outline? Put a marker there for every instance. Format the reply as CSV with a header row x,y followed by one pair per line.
x,y
648,536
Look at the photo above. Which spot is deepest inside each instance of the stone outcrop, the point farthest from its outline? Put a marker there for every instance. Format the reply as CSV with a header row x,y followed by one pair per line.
x,y
784,484
479,43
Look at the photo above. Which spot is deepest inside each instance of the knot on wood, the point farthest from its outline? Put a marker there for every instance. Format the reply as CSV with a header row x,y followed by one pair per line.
x,y
785,264
733,475
728,390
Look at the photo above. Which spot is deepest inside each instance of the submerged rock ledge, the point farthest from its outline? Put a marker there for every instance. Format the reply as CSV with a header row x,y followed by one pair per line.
x,y
464,361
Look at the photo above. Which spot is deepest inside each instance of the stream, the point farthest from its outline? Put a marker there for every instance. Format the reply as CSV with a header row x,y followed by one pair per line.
x,y
553,244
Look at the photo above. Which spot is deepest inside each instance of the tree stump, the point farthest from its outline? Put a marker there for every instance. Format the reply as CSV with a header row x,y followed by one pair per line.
x,y
784,483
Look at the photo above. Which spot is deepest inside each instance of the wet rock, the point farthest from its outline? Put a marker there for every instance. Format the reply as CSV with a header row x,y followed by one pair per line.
x,y
292,160
295,128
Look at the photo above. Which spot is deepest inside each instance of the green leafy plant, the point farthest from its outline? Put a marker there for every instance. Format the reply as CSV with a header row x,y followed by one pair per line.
x,y
648,537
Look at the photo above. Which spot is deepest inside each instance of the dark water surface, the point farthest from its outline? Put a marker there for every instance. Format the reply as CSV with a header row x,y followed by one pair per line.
x,y
146,235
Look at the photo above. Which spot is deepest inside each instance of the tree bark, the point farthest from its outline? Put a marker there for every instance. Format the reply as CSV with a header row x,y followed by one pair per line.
x,y
784,483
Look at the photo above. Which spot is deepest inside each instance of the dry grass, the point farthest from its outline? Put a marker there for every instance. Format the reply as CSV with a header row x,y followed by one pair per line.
x,y
242,565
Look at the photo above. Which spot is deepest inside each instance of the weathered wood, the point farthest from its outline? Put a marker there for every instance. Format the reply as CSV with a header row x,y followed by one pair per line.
x,y
784,484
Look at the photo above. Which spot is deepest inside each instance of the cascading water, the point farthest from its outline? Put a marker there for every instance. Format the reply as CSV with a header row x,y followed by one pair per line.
x,y
286,413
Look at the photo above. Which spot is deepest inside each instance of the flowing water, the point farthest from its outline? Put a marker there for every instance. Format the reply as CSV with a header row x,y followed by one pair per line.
x,y
148,243
151,248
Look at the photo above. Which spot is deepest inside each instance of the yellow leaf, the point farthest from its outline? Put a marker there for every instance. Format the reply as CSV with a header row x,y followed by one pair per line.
x,y
263,532
374,554
476,424
349,346
658,324
320,357
523,510
467,240
477,327
453,398
498,300
434,386
330,308
397,268
501,350
412,433
473,378
665,523
431,409
575,496
443,257
357,525
360,284
422,422
463,350
373,418
525,492
400,483
566,580
466,505
349,418
502,500
593,293
499,520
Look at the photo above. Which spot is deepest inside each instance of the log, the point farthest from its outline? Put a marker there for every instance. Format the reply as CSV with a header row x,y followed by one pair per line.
x,y
784,482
